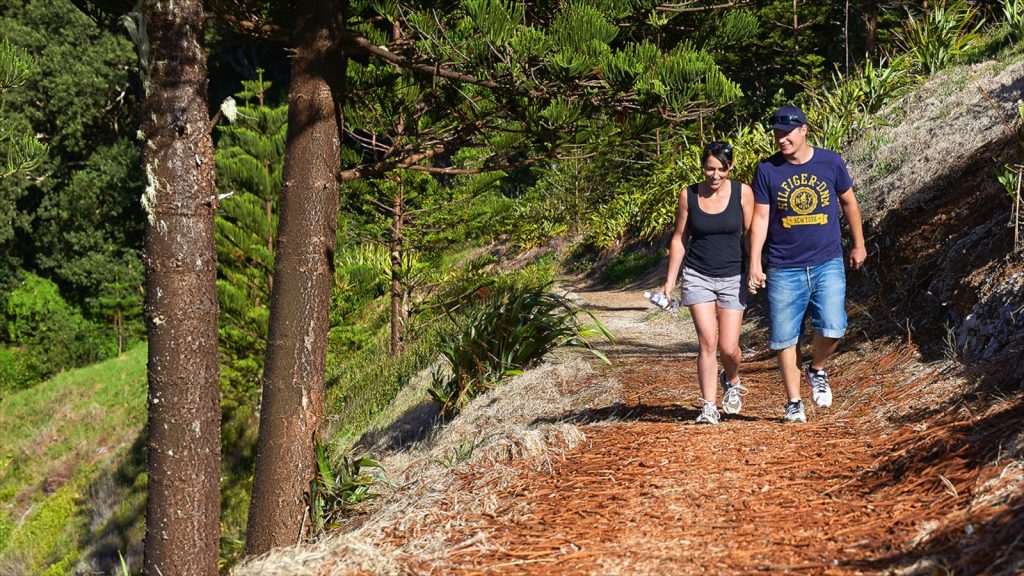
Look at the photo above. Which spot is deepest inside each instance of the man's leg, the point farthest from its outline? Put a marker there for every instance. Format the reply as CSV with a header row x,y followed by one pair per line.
x,y
828,317
788,295
789,367
824,347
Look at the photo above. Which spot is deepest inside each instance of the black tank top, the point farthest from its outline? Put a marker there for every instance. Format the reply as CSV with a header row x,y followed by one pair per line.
x,y
716,240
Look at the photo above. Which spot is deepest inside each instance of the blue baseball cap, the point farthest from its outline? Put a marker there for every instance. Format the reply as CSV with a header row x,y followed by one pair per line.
x,y
787,118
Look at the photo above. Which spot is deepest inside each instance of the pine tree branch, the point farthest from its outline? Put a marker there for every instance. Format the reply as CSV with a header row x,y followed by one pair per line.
x,y
679,8
362,46
249,24
481,170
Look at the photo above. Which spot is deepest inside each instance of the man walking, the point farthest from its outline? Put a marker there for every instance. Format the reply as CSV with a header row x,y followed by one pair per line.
x,y
797,193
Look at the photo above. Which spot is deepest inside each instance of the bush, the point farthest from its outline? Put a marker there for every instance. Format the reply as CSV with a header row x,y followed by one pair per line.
x,y
340,485
846,104
504,333
630,265
1013,17
14,372
50,335
941,36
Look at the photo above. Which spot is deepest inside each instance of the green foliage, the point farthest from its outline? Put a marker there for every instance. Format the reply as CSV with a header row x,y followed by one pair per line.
x,y
15,371
77,218
362,384
501,334
846,105
1011,179
91,231
496,19
52,335
630,265
340,485
941,36
1013,18
24,152
1011,176
733,28
45,537
647,205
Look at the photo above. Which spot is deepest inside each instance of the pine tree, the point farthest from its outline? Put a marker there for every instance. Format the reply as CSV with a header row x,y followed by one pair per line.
x,y
250,157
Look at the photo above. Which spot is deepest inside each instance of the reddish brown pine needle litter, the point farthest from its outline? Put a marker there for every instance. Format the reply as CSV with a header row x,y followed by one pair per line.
x,y
893,478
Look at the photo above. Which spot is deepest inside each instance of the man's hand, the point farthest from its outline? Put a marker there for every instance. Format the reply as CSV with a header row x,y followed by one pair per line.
x,y
857,257
755,279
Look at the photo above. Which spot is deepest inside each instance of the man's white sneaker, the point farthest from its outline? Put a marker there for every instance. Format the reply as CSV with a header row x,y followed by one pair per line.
x,y
794,412
821,392
708,414
732,401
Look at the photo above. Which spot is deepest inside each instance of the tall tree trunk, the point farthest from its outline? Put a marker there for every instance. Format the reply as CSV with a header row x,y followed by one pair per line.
x,y
796,30
397,292
183,449
293,381
871,32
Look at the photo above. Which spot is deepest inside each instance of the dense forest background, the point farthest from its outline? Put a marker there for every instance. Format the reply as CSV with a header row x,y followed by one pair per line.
x,y
567,190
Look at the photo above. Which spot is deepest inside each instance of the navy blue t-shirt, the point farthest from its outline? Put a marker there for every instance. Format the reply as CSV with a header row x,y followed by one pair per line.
x,y
803,219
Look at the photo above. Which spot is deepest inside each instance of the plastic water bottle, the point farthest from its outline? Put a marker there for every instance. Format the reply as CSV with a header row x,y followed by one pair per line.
x,y
661,301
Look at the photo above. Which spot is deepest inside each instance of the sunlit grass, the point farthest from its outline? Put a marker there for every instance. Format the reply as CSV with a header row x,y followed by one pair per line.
x,y
57,436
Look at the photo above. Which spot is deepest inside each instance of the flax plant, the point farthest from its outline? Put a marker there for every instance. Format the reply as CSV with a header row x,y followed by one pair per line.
x,y
508,331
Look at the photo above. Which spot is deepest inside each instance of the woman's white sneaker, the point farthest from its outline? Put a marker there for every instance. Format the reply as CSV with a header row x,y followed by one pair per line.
x,y
708,414
732,401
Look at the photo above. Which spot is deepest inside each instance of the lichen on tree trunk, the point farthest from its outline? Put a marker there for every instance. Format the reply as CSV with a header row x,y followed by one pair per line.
x,y
183,450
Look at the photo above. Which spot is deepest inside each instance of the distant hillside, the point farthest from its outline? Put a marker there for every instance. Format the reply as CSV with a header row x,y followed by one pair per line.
x,y
71,469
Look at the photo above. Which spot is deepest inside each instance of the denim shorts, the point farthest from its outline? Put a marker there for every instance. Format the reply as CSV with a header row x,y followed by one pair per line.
x,y
791,291
698,289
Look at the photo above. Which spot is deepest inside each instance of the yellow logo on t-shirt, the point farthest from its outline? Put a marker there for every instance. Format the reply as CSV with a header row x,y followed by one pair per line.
x,y
803,194
803,200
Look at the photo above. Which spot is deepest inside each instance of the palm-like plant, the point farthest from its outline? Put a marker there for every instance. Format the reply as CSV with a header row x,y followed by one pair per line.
x,y
508,331
940,36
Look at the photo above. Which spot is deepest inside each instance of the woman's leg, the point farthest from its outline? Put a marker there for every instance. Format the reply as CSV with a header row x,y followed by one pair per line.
x,y
729,324
706,322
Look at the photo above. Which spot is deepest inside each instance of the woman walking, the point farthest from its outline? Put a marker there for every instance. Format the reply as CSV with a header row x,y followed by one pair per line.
x,y
712,220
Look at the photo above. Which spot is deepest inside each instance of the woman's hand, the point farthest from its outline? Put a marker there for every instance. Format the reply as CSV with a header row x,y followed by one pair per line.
x,y
756,279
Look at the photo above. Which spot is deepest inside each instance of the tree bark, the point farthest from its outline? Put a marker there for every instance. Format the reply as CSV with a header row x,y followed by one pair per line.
x,y
871,29
293,381
183,446
397,292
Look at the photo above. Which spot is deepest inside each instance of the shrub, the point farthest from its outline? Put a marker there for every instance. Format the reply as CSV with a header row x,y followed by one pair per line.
x,y
1013,17
503,334
50,334
340,484
630,265
15,374
941,36
846,104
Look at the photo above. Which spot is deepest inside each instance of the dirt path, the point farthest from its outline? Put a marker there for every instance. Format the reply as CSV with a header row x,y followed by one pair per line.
x,y
650,492
577,469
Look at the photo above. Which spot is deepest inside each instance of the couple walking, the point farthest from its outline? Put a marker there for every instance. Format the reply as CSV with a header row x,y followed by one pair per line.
x,y
793,211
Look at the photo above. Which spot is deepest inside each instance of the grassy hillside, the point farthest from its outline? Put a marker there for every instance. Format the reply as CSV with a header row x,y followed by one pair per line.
x,y
71,468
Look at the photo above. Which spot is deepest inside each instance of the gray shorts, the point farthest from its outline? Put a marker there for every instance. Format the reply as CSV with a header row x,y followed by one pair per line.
x,y
698,288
